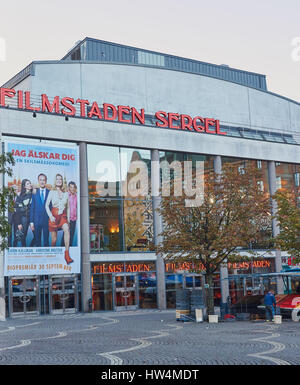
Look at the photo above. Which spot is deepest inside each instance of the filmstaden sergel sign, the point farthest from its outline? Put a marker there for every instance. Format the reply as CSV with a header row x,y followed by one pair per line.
x,y
124,114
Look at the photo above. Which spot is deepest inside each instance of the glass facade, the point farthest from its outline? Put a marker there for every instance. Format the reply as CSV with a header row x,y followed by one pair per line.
x,y
121,216
288,178
124,285
121,220
264,241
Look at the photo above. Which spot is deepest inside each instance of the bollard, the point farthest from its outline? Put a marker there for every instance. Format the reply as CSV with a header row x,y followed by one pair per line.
x,y
199,315
90,305
213,318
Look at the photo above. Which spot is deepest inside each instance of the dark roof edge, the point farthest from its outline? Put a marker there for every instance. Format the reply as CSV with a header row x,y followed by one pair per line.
x,y
29,70
157,53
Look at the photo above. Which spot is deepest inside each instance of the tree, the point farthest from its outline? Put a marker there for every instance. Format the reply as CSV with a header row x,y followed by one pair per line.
x,y
7,195
288,219
209,234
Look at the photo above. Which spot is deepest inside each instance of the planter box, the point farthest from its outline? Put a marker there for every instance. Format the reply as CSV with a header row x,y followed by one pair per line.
x,y
213,318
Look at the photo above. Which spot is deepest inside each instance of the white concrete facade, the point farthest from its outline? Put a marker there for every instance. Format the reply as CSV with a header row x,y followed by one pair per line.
x,y
154,89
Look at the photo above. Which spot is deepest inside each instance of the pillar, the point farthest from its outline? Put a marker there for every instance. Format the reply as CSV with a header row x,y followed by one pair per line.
x,y
224,283
2,278
84,229
157,229
275,227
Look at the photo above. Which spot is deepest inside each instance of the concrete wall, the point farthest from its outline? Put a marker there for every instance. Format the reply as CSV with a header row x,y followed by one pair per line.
x,y
49,126
172,91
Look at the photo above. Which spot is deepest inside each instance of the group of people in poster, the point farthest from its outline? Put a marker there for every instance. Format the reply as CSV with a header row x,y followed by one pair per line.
x,y
45,211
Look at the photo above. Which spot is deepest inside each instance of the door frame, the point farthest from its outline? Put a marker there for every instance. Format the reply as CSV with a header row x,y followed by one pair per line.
x,y
37,295
63,310
124,289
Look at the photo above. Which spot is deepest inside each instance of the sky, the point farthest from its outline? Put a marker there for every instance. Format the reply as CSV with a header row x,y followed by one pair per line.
x,y
261,36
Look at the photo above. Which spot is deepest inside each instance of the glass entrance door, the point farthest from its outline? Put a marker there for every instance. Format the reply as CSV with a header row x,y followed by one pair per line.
x,y
63,294
126,297
24,295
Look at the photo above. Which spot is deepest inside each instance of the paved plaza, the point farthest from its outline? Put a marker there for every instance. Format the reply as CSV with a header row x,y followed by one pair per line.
x,y
145,338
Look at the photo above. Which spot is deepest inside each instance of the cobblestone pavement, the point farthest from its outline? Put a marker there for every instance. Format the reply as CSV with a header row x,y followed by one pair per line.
x,y
145,338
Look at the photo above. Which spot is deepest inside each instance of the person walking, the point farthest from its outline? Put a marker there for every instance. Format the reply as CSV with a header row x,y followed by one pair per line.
x,y
270,304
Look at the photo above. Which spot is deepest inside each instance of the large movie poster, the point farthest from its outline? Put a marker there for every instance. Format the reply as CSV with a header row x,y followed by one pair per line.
x,y
45,223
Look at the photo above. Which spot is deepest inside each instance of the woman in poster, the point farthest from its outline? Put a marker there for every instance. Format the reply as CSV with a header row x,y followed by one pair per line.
x,y
21,217
59,215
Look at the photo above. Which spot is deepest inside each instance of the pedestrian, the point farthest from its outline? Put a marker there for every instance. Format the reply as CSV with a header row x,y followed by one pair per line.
x,y
270,304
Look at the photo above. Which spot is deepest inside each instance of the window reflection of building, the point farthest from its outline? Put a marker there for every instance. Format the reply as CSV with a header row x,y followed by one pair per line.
x,y
105,222
264,240
123,221
138,224
108,279
288,174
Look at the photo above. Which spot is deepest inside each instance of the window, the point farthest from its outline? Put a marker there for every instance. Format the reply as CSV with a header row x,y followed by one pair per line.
x,y
278,182
151,59
258,164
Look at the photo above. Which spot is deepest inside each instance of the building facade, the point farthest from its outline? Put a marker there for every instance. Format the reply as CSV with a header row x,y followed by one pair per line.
x,y
124,111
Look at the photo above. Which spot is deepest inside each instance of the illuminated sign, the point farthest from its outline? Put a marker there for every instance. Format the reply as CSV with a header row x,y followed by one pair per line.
x,y
188,266
125,114
102,268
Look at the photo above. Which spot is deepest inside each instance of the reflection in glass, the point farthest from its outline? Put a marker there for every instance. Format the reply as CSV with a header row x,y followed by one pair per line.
x,y
288,175
173,282
105,225
138,225
186,170
264,241
103,171
102,292
147,290
135,172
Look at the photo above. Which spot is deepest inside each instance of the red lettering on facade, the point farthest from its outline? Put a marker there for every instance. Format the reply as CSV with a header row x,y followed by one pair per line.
x,y
198,127
95,111
20,100
209,122
68,103
161,115
186,122
218,131
173,117
123,110
112,108
124,114
28,103
6,92
82,103
50,107
140,117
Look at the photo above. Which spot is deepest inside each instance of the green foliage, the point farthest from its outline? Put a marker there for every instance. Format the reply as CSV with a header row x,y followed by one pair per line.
x,y
288,219
7,196
228,219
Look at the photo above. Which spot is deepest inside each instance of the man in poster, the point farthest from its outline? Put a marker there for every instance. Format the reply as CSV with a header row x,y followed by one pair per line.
x,y
38,215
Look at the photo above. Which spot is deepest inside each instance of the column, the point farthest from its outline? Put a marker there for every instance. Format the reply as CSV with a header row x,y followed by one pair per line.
x,y
224,283
275,227
86,292
157,229
2,278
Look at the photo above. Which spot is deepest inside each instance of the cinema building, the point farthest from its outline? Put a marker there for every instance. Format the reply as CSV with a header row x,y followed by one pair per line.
x,y
106,106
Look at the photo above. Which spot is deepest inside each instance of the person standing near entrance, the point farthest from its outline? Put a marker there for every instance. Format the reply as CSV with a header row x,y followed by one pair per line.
x,y
270,304
38,215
